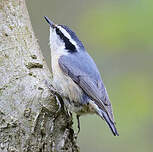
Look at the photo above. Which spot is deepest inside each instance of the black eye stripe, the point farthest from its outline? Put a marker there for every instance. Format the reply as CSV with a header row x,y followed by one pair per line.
x,y
58,31
68,45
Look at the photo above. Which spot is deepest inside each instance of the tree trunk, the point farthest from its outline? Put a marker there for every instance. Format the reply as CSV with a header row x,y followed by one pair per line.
x,y
29,120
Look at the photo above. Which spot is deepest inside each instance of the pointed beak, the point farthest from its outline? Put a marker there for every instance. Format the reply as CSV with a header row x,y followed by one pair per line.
x,y
50,22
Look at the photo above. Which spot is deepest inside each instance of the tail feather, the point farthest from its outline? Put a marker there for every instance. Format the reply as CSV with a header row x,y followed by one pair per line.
x,y
110,123
104,115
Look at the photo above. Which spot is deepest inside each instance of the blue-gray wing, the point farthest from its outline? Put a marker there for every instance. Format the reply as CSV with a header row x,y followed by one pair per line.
x,y
83,71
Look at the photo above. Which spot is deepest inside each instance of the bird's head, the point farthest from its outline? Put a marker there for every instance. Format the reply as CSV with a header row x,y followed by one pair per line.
x,y
62,38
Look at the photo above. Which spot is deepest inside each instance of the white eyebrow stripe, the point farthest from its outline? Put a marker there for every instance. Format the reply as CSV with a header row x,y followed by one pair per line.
x,y
68,36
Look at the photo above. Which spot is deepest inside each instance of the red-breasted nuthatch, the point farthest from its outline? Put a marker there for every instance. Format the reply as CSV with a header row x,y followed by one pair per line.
x,y
76,77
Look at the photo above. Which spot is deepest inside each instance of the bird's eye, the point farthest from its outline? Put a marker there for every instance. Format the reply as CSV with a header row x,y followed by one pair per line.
x,y
68,45
58,31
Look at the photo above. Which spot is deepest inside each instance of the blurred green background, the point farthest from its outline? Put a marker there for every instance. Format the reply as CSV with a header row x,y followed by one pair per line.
x,y
118,34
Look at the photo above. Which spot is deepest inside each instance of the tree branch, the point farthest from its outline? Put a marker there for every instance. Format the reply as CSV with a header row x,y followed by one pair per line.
x,y
28,117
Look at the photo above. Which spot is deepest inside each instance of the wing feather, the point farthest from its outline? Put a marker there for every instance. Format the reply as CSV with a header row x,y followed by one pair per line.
x,y
87,76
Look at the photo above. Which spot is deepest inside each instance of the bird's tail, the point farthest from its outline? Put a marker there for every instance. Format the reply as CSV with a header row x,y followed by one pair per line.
x,y
111,124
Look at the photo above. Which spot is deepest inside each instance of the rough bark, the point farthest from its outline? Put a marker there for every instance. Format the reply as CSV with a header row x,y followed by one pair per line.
x,y
28,112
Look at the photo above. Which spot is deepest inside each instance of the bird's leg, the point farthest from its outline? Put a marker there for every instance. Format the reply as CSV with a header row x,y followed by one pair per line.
x,y
78,121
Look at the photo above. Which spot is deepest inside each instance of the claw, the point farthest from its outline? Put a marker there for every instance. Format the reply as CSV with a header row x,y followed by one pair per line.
x,y
51,88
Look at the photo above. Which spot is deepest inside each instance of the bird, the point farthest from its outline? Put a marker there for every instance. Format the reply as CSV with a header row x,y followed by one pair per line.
x,y
76,77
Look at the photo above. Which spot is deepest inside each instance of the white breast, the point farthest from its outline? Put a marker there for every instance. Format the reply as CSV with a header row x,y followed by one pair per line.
x,y
64,84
